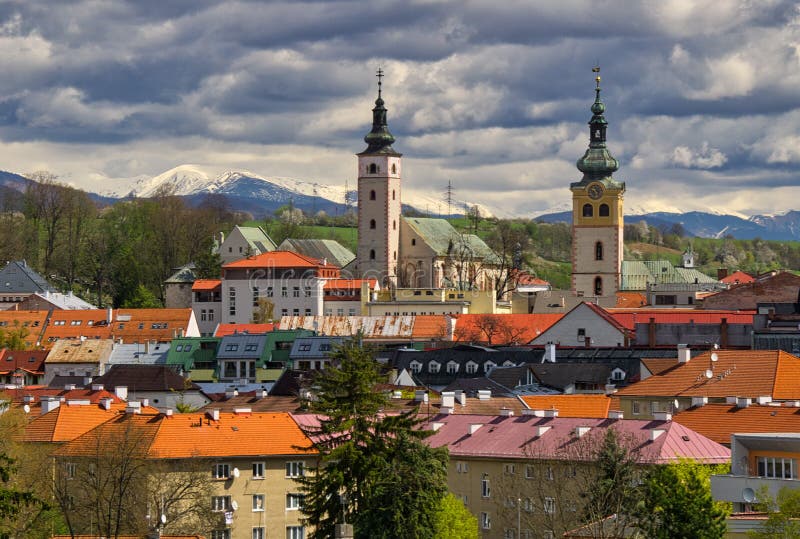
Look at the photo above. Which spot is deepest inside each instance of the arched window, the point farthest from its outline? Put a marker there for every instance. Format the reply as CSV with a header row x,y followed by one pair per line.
x,y
598,250
372,195
598,286
372,224
394,168
373,168
394,225
394,255
372,254
603,210
588,210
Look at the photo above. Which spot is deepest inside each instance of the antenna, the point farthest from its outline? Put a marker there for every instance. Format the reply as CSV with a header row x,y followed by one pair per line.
x,y
448,196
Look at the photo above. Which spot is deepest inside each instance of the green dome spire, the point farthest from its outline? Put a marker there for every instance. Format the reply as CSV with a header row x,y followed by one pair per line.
x,y
379,140
597,163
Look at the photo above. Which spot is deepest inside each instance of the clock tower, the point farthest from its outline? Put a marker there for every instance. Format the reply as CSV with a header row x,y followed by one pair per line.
x,y
597,226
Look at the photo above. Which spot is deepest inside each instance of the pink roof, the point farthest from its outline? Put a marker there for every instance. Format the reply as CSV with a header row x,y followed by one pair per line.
x,y
630,317
517,437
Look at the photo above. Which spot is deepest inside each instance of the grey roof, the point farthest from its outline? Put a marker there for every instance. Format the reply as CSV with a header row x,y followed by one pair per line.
x,y
309,347
637,274
184,274
139,354
471,386
257,239
18,277
562,375
440,236
65,302
144,378
242,345
331,250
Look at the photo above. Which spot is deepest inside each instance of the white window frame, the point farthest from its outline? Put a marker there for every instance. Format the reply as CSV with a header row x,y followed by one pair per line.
x,y
549,505
259,532
295,532
221,470
295,468
258,507
486,487
220,503
486,520
294,501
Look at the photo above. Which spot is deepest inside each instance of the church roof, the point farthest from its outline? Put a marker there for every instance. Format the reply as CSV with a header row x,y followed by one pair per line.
x,y
331,250
637,274
440,236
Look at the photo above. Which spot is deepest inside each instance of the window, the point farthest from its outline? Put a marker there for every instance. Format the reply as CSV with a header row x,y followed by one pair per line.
x,y
462,467
416,367
221,534
251,347
548,534
295,532
509,469
372,224
509,533
220,503
210,317
222,471
179,348
372,193
325,347
486,521
258,502
598,250
550,476
527,505
776,467
635,408
258,470
340,311
304,348
472,367
372,254
394,225
294,501
486,487
284,312
255,296
70,469
529,471
231,347
373,168
258,533
394,171
413,241
295,468
549,505
307,291
669,299
598,286
232,302
308,312
296,292
351,311
284,292
269,292
452,367
434,366
588,210
603,210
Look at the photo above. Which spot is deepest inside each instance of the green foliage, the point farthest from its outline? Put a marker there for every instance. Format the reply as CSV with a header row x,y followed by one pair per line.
x,y
677,502
208,263
13,338
374,470
142,298
454,521
783,520
613,490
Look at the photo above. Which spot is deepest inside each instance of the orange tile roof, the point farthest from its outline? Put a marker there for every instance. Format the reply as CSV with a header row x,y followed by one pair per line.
x,y
197,436
67,422
719,421
744,373
738,277
18,395
630,317
130,325
577,405
506,328
201,285
33,321
658,365
631,299
429,327
230,329
277,259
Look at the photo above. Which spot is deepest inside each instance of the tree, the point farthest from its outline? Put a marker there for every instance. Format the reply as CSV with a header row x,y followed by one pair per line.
x,y
264,312
678,503
454,521
208,262
783,514
509,241
142,299
374,470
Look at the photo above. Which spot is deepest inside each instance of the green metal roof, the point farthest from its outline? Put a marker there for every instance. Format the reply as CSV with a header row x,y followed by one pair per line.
x,y
691,275
331,250
257,238
440,236
637,274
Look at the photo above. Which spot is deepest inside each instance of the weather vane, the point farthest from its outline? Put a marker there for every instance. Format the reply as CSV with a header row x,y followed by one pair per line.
x,y
596,69
380,76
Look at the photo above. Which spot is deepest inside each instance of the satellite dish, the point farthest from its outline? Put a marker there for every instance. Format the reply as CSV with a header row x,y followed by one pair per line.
x,y
714,357
26,409
748,495
236,472
163,518
234,505
709,373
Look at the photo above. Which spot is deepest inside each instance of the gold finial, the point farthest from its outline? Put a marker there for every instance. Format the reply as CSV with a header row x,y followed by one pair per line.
x,y
596,69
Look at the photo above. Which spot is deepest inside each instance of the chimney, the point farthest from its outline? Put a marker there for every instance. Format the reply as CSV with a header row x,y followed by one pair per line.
x,y
699,401
105,403
78,402
27,399
436,425
87,380
684,353
448,399
651,332
97,387
446,410
722,273
450,324
534,413
50,403
662,416
147,346
551,413
723,333
743,402
213,414
133,407
581,431
587,342
550,352
506,412
69,387
540,430
109,315
655,433
763,399
461,397
145,402
231,392
242,411
615,414
484,394
168,412
420,395
121,392
473,428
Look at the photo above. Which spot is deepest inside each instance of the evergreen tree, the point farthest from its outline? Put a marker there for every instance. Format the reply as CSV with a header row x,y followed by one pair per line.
x,y
614,490
374,470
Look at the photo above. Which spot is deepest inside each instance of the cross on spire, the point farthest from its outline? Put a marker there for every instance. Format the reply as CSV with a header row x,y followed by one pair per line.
x,y
380,76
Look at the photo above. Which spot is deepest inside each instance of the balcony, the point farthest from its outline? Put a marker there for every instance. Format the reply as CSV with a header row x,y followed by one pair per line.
x,y
744,488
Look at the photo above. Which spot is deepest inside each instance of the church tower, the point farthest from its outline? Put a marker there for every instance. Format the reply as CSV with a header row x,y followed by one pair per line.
x,y
379,207
597,226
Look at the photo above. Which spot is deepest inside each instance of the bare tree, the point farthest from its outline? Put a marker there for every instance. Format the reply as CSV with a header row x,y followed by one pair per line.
x,y
491,329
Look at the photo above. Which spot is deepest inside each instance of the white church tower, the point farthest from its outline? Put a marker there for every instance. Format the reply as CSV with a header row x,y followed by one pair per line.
x,y
379,206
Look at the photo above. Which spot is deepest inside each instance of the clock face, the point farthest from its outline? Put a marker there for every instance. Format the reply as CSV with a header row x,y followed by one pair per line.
x,y
595,191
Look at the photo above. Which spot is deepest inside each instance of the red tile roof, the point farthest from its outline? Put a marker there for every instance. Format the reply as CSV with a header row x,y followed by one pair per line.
x,y
18,395
577,405
520,437
27,360
738,277
719,421
277,259
206,285
605,315
631,300
67,422
630,317
230,329
744,373
130,325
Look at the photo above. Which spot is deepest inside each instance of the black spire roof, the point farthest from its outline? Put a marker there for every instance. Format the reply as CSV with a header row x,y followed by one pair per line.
x,y
597,163
379,140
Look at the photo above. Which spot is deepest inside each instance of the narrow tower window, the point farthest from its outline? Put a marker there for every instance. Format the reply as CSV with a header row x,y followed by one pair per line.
x,y
394,169
588,210
598,251
372,254
372,195
372,224
394,225
603,210
392,194
373,168
598,286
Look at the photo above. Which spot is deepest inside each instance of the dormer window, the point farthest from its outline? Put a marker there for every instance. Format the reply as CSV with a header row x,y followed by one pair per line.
x,y
415,367
434,366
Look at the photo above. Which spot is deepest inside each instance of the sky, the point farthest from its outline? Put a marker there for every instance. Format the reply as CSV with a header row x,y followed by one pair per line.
x,y
701,97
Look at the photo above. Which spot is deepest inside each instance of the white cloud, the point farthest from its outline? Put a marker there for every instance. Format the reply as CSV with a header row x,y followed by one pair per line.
x,y
703,157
